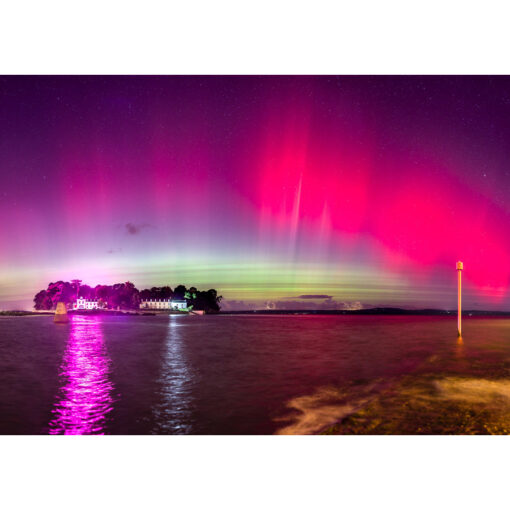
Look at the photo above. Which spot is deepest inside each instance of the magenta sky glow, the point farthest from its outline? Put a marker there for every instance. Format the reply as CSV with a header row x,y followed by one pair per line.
x,y
266,188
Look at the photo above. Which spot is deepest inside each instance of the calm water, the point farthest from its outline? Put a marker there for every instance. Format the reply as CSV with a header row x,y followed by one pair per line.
x,y
229,374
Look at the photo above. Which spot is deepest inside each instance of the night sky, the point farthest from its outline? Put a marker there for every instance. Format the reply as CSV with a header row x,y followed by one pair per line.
x,y
300,192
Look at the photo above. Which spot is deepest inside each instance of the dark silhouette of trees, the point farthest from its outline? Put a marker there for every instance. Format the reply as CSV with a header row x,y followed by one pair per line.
x,y
146,294
157,293
43,301
180,292
124,295
209,301
102,293
86,292
58,291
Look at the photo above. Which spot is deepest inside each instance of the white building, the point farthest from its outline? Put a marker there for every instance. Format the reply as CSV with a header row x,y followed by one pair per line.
x,y
85,304
164,304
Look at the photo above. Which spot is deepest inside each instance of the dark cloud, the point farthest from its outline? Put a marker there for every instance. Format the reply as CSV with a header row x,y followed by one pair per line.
x,y
328,304
133,228
292,305
314,296
239,306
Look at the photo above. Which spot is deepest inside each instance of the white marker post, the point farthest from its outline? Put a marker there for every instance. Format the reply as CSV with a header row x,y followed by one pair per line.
x,y
460,267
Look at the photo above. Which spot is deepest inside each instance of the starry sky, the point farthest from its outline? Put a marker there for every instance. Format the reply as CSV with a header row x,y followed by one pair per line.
x,y
284,192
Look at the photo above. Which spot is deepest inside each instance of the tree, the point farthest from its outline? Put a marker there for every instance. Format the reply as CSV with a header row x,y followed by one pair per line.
x,y
58,291
87,292
145,295
103,292
166,292
41,300
124,295
76,284
206,300
179,292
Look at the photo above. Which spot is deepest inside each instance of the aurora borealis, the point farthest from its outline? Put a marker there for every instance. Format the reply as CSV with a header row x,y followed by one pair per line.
x,y
297,191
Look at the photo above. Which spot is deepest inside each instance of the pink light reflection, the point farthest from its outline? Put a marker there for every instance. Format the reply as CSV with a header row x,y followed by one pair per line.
x,y
85,396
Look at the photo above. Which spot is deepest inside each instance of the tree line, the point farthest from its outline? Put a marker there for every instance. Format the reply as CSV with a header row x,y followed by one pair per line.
x,y
123,296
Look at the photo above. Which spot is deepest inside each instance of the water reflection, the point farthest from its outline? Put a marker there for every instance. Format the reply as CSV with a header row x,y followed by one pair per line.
x,y
459,348
173,414
85,395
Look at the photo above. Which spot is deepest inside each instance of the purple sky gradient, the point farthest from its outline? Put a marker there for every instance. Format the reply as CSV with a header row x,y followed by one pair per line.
x,y
358,189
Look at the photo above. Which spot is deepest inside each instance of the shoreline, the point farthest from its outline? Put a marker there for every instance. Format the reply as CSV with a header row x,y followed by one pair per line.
x,y
372,311
26,313
368,311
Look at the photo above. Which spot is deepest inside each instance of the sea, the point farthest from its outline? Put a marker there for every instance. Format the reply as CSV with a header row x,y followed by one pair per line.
x,y
254,374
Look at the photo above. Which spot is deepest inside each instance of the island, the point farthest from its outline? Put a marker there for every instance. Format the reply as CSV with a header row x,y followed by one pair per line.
x,y
125,296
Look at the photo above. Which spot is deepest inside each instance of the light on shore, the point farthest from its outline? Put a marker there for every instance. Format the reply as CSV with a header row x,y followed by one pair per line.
x,y
60,313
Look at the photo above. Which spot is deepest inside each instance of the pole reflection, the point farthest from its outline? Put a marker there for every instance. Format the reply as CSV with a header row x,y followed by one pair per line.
x,y
173,414
459,349
85,396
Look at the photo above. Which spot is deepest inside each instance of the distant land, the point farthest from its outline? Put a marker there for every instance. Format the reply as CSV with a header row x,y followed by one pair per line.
x,y
370,311
365,311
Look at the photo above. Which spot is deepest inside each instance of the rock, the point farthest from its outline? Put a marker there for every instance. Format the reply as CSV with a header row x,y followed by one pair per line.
x,y
61,313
